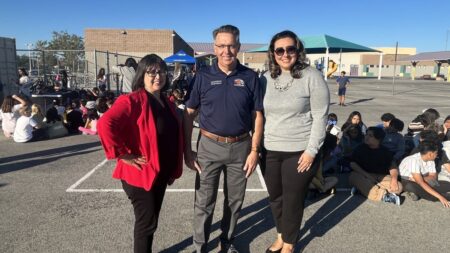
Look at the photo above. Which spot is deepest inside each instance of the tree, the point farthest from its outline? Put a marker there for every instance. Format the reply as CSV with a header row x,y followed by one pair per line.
x,y
63,41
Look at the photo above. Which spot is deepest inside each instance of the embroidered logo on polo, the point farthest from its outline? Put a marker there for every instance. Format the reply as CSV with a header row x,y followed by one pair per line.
x,y
239,82
217,82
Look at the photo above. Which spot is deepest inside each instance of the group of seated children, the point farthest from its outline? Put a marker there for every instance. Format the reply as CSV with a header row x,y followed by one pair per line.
x,y
384,163
25,122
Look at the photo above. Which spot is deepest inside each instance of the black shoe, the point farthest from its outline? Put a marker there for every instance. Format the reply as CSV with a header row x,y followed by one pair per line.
x,y
273,251
228,248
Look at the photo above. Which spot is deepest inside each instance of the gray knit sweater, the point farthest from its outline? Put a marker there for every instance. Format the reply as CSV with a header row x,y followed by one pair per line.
x,y
296,115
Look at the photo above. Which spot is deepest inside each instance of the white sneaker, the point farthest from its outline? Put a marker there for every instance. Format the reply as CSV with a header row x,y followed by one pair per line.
x,y
444,175
391,198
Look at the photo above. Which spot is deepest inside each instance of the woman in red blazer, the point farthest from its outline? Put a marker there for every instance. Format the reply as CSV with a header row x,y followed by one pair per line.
x,y
143,132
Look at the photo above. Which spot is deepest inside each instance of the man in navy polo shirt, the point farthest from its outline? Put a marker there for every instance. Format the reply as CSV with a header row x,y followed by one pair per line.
x,y
230,99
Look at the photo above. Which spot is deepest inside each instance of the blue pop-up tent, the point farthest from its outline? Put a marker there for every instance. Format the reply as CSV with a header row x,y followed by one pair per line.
x,y
181,57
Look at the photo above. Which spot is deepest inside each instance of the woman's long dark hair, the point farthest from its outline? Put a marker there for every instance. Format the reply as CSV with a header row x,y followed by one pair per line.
x,y
131,63
348,122
7,104
24,72
147,63
101,73
299,65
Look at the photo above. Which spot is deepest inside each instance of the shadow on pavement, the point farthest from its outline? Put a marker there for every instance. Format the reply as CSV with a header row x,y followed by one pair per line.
x,y
327,216
333,211
246,231
38,161
50,152
362,100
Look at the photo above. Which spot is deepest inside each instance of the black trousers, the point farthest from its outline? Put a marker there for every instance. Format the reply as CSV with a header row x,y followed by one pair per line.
x,y
287,190
443,188
146,205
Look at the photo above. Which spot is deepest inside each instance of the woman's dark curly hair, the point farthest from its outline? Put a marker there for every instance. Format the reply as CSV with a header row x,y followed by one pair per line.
x,y
299,65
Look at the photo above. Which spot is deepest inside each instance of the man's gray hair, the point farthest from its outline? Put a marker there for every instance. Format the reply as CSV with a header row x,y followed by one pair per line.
x,y
227,29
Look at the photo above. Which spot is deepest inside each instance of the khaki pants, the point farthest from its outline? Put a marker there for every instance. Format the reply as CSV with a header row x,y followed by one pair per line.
x,y
369,188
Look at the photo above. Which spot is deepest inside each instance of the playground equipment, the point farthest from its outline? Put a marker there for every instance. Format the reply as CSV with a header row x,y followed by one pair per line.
x,y
332,67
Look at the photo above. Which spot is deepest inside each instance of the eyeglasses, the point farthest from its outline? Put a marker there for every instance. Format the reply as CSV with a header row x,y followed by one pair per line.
x,y
232,46
153,73
290,50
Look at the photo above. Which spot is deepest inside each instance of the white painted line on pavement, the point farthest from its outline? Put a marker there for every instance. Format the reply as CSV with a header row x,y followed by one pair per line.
x,y
72,187
261,178
168,190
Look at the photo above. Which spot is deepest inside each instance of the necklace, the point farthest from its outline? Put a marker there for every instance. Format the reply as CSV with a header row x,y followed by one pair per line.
x,y
283,87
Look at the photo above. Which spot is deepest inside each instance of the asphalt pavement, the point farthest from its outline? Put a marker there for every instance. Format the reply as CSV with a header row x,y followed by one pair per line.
x,y
58,195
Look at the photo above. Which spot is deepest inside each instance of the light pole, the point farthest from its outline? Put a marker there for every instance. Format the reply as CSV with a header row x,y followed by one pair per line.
x,y
29,45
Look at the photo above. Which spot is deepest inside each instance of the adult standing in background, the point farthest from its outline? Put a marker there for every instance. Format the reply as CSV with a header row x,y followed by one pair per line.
x,y
143,133
101,79
24,83
127,73
296,104
230,99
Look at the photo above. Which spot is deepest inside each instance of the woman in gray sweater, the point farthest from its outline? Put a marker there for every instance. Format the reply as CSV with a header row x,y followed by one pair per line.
x,y
296,107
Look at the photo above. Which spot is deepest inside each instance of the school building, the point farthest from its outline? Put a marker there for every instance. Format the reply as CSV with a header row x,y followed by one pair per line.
x,y
108,47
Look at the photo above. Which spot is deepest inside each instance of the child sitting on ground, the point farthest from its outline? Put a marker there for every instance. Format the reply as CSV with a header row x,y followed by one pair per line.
x,y
394,141
54,125
418,173
37,115
374,174
24,127
351,138
445,162
386,120
9,113
91,123
330,148
74,118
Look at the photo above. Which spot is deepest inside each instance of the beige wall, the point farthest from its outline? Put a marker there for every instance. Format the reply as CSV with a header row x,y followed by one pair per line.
x,y
129,43
254,60
165,42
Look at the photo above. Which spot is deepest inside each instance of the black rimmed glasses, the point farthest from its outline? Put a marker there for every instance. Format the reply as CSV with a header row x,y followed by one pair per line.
x,y
153,73
290,50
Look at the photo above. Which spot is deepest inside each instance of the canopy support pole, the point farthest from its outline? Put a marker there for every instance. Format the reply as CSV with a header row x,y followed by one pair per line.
x,y
326,64
379,65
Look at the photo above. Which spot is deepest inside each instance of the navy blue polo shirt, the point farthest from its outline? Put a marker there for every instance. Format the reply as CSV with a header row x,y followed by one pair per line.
x,y
225,102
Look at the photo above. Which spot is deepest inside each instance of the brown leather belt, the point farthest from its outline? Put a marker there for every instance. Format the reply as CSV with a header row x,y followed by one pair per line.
x,y
229,139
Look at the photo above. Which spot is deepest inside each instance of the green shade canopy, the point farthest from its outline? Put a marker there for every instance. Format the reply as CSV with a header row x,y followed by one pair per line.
x,y
319,45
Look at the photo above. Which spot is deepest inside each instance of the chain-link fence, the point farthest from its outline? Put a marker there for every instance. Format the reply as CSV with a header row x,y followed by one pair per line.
x,y
107,60
79,67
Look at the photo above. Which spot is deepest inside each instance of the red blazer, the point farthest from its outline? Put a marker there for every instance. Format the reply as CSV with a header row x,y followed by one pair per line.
x,y
128,127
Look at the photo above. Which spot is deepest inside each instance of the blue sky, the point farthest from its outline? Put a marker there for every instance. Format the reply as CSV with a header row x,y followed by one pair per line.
x,y
380,23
